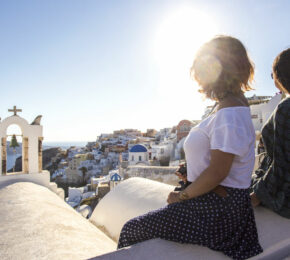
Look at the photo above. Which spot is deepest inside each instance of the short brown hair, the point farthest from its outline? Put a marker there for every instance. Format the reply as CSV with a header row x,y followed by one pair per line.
x,y
221,67
281,69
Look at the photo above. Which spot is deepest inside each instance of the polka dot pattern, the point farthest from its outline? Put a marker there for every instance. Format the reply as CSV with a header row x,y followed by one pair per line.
x,y
222,224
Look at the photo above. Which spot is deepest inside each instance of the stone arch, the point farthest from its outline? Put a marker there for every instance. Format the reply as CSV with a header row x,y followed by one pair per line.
x,y
31,146
14,120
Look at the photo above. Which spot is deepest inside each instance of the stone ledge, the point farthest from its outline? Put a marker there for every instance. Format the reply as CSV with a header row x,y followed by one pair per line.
x,y
37,224
40,178
160,249
137,196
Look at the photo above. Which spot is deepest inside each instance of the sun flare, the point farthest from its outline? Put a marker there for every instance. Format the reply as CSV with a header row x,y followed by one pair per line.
x,y
178,37
181,33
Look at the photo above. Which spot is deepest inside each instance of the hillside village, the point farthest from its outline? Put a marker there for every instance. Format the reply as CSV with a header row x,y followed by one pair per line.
x,y
88,173
114,156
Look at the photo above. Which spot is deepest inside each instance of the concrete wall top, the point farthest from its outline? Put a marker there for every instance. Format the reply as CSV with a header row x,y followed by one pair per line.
x,y
40,178
37,224
127,198
137,196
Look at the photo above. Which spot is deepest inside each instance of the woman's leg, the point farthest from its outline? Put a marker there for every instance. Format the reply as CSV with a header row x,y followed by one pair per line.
x,y
167,223
224,224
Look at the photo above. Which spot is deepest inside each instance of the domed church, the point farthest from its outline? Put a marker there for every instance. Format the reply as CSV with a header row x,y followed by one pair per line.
x,y
138,154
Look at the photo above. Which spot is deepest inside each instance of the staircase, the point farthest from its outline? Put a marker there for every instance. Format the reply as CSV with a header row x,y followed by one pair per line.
x,y
58,191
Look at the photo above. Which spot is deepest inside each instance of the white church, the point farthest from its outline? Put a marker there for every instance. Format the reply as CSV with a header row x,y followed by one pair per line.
x,y
138,154
36,223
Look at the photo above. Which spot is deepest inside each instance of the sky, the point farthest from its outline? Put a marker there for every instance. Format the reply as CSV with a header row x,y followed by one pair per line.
x,y
92,66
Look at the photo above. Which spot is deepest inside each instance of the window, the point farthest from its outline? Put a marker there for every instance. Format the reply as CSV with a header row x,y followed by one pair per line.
x,y
140,158
132,157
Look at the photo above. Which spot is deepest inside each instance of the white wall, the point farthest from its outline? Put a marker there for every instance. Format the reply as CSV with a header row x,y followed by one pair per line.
x,y
162,150
144,157
37,224
137,196
162,174
129,199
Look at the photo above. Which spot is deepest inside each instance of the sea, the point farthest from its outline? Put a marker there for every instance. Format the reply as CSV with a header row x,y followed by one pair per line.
x,y
11,158
63,145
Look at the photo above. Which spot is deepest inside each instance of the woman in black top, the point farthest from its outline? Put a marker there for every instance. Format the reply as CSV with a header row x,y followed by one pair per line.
x,y
271,182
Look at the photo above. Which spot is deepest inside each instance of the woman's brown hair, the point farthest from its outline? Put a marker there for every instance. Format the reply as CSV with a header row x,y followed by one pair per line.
x,y
222,67
281,69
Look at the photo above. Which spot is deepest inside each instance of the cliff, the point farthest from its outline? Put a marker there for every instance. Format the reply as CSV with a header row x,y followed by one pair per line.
x,y
47,155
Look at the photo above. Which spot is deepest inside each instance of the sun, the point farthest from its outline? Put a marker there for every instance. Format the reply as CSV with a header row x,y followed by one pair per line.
x,y
177,39
180,34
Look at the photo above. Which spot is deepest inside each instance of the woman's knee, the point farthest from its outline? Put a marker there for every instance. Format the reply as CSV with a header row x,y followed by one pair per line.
x,y
130,225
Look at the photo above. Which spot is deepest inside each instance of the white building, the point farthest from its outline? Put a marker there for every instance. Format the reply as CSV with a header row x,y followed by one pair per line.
x,y
261,112
164,133
178,149
58,172
138,154
72,152
159,151
73,175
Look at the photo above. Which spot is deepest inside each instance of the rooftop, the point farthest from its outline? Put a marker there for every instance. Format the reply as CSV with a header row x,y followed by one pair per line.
x,y
138,148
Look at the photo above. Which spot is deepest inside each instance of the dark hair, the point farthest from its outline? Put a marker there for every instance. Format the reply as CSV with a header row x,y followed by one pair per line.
x,y
281,69
221,67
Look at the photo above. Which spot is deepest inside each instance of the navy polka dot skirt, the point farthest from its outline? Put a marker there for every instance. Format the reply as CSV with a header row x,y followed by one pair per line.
x,y
223,224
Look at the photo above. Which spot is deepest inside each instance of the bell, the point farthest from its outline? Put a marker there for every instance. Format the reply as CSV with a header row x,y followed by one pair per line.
x,y
13,142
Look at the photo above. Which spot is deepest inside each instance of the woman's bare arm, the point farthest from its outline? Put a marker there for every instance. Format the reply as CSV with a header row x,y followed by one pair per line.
x,y
210,178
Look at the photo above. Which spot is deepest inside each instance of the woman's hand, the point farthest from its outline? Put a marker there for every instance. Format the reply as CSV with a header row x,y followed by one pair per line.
x,y
254,200
182,177
173,197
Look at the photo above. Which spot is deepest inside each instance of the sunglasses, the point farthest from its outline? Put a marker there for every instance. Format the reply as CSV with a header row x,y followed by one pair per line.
x,y
272,75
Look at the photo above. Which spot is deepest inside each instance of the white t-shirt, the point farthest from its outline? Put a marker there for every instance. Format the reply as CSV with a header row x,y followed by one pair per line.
x,y
229,130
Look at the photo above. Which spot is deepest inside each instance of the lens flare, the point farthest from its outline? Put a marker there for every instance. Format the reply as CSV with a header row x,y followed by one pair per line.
x,y
177,39
208,69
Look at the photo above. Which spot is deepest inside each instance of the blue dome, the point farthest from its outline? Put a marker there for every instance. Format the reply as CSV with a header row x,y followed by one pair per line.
x,y
138,148
115,177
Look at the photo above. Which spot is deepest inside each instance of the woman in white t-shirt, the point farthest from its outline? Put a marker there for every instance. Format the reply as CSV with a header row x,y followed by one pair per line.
x,y
215,209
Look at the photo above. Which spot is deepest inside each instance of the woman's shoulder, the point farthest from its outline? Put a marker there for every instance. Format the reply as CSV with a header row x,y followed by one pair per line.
x,y
281,114
233,115
238,117
233,109
284,105
229,119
